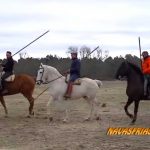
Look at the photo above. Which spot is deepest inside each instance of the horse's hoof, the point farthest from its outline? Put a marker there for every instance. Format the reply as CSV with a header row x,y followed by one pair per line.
x,y
98,118
133,121
131,116
6,116
65,121
87,119
50,119
32,113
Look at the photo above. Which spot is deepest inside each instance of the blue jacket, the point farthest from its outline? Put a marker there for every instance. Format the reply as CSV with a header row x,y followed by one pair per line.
x,y
75,67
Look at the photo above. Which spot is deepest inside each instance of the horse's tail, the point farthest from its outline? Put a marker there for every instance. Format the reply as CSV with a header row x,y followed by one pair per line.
x,y
99,83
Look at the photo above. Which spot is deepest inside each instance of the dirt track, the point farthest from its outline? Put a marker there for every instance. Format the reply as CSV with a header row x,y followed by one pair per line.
x,y
21,133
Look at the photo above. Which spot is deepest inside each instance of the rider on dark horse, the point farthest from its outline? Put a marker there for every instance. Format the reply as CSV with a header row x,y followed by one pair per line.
x,y
146,71
8,70
74,72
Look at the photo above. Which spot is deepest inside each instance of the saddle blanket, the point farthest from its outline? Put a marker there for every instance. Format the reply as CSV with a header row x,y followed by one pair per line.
x,y
76,82
10,78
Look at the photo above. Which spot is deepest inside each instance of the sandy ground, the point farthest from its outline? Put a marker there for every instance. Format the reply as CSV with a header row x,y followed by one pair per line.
x,y
17,132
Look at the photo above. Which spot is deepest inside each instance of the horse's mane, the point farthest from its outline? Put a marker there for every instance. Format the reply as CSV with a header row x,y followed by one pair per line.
x,y
136,68
52,69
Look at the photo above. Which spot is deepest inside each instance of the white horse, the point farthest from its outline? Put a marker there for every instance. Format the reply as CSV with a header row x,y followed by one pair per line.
x,y
58,86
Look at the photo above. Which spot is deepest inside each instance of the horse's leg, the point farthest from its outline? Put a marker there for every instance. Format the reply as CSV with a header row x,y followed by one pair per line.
x,y
95,109
4,105
31,102
50,102
91,103
66,116
129,102
136,105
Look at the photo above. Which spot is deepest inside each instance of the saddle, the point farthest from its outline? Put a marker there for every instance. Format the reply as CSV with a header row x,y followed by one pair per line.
x,y
10,78
76,82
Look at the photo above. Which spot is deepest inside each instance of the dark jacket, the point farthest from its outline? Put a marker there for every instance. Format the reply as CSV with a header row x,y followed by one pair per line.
x,y
8,66
75,67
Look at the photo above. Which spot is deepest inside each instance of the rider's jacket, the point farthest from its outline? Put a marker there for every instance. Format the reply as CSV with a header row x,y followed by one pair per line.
x,y
75,67
146,65
8,66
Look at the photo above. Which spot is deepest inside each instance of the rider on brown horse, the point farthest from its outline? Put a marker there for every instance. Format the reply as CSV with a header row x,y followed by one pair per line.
x,y
8,70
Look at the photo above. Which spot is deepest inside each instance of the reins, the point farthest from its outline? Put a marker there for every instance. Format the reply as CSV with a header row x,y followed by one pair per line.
x,y
53,80
47,87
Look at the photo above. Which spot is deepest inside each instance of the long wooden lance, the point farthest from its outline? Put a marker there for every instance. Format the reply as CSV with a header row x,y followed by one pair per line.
x,y
140,51
92,51
31,43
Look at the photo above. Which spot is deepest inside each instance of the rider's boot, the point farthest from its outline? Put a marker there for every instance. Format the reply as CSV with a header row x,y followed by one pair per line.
x,y
69,90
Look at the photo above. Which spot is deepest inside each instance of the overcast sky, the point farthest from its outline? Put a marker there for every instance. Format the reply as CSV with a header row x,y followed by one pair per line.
x,y
114,25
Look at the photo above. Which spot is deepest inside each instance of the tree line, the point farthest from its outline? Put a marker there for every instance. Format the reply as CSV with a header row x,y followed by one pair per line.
x,y
94,68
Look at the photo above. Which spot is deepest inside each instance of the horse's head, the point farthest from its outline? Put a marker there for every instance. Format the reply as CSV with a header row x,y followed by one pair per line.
x,y
122,70
41,75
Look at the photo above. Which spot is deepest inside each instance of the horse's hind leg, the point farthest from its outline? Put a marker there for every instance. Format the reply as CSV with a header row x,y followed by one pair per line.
x,y
31,102
4,105
129,102
91,103
136,105
96,108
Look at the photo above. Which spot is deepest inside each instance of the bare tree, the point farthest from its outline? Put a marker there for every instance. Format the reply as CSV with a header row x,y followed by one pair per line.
x,y
23,55
84,51
99,53
102,54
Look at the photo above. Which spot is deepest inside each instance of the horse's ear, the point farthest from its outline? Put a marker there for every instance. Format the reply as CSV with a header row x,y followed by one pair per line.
x,y
41,65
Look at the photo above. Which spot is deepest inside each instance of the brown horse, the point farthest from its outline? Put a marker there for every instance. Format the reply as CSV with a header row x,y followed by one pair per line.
x,y
23,84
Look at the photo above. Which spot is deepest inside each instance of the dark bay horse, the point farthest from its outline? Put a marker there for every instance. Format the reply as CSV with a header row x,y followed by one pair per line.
x,y
23,84
135,86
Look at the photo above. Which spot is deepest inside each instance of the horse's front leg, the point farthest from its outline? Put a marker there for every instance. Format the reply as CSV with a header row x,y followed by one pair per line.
x,y
129,102
136,105
50,102
66,116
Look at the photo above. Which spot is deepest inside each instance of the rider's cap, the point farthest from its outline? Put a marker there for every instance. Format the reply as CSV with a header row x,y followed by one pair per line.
x,y
73,50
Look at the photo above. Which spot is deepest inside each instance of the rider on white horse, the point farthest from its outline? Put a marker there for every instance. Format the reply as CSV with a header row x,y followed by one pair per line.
x,y
58,86
74,72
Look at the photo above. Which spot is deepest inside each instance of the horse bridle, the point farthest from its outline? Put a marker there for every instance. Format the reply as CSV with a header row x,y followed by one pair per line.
x,y
41,81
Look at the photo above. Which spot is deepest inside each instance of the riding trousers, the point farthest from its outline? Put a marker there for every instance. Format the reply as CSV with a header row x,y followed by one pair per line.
x,y
146,81
73,77
4,76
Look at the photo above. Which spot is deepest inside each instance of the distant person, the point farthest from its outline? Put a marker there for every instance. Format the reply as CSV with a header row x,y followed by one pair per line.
x,y
74,72
8,70
146,70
